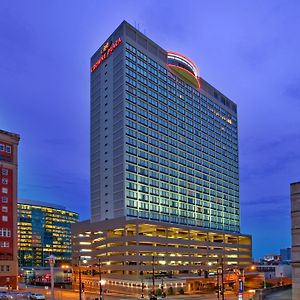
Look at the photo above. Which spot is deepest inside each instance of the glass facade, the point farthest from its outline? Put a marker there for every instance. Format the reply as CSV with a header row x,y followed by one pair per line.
x,y
181,150
42,231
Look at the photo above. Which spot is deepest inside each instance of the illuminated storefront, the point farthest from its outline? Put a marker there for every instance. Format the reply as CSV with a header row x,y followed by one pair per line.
x,y
43,229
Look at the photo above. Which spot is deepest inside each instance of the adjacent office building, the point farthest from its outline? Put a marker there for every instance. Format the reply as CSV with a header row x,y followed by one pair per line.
x,y
164,164
44,229
8,208
295,231
285,255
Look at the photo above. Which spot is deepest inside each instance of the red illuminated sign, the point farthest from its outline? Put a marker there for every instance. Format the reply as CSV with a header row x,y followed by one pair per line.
x,y
105,54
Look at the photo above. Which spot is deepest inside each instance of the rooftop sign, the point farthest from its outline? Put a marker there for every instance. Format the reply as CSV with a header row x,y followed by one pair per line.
x,y
107,49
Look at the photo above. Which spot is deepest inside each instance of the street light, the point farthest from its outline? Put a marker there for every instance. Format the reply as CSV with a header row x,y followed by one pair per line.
x,y
153,280
221,260
163,262
79,273
51,259
100,279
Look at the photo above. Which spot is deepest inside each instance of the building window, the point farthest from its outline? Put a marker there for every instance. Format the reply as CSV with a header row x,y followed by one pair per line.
x,y
4,209
4,268
4,190
5,172
8,149
4,219
4,199
1,147
4,244
5,232
4,181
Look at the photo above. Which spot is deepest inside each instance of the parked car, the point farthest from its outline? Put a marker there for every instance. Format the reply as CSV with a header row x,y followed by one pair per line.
x,y
37,296
5,296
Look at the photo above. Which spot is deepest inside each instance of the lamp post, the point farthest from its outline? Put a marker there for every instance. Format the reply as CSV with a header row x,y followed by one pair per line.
x,y
162,288
79,277
218,282
100,279
51,260
222,278
153,280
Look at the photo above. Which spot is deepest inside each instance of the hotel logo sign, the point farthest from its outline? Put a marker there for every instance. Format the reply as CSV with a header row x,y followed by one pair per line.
x,y
106,50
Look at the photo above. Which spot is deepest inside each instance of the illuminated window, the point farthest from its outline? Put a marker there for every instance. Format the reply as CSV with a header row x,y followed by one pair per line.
x,y
4,190
5,232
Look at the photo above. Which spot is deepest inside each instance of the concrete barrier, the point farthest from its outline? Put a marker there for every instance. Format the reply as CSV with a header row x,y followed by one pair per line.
x,y
262,293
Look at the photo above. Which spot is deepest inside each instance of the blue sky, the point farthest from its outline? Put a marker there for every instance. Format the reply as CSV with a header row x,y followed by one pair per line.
x,y
249,50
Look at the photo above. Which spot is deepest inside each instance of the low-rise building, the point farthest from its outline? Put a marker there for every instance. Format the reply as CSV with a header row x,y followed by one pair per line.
x,y
129,252
8,209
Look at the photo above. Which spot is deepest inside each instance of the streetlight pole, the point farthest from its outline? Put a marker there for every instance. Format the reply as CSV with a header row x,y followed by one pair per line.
x,y
51,259
153,280
218,283
222,278
100,279
79,277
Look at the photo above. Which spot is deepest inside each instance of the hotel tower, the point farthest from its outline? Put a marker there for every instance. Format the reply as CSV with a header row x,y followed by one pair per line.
x,y
164,166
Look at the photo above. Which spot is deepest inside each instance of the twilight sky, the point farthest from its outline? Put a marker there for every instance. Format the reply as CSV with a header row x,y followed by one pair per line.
x,y
249,50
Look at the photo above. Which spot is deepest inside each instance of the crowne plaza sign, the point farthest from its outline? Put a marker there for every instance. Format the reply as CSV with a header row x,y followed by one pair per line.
x,y
107,49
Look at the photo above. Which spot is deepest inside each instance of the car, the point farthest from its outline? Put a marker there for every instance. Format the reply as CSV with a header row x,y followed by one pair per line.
x,y
37,296
152,297
5,296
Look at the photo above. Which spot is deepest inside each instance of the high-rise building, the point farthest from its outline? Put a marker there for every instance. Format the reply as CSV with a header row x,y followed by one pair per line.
x,y
8,208
164,163
44,229
164,142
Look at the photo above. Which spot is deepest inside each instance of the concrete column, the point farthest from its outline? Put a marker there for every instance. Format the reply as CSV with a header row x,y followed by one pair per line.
x,y
295,217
